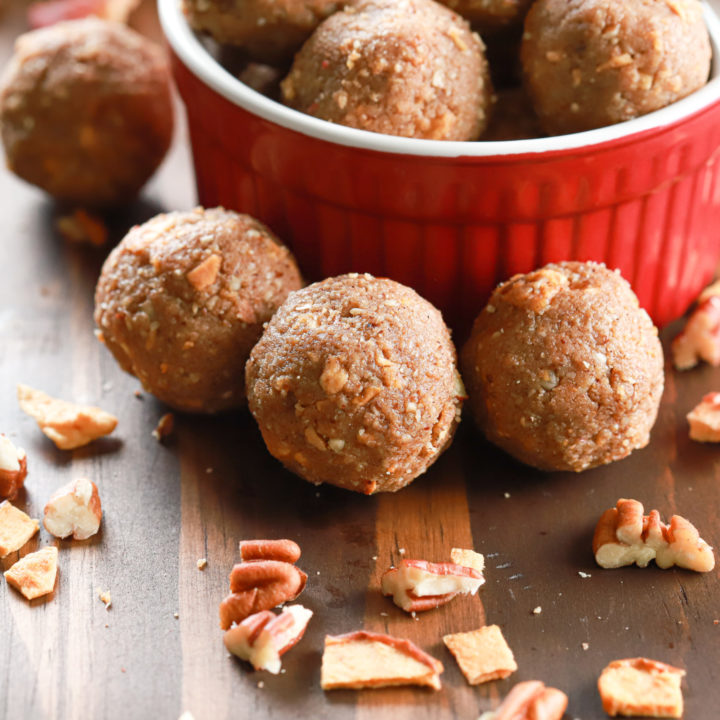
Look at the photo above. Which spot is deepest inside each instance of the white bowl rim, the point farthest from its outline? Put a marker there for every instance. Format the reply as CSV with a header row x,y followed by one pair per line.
x,y
198,60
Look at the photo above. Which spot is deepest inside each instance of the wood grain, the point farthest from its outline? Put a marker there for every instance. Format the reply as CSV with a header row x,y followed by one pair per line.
x,y
424,522
67,657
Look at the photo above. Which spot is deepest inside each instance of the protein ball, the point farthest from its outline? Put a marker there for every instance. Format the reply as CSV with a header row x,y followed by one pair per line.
x,y
86,111
490,15
268,30
564,369
411,68
354,383
182,299
591,63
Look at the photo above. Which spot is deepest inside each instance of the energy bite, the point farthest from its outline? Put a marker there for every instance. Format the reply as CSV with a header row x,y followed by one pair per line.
x,y
354,383
591,63
564,369
268,30
85,111
410,68
489,16
183,298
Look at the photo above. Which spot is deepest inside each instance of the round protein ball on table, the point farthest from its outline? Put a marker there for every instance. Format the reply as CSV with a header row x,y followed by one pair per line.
x,y
410,68
591,63
85,111
354,383
563,368
268,30
182,299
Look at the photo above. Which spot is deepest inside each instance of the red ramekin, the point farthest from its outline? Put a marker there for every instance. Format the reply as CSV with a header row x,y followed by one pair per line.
x,y
452,219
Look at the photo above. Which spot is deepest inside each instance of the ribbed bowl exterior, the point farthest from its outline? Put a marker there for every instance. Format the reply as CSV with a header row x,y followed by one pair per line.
x,y
452,228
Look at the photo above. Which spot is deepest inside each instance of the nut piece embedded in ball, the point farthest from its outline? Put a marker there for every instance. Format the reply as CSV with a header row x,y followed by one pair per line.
x,y
410,68
564,369
86,111
183,298
354,383
591,63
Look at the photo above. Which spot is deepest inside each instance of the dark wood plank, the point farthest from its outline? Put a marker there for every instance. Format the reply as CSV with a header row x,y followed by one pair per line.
x,y
213,484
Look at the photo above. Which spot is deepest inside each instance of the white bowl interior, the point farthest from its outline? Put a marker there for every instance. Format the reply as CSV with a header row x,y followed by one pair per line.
x,y
196,58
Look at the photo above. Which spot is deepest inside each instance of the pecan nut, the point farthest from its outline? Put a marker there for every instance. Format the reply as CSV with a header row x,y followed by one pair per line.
x,y
531,700
624,535
259,585
700,339
285,550
263,638
418,585
13,468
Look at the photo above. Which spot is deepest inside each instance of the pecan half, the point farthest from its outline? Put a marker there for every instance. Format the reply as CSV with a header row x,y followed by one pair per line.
x,y
259,585
624,535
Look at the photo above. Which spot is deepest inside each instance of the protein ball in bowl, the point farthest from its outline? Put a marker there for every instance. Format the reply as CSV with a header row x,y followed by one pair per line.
x,y
354,383
85,111
591,63
563,368
182,299
268,30
490,15
411,68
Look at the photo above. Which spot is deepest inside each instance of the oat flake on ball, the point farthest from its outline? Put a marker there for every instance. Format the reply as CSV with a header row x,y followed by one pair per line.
x,y
85,111
563,368
410,68
182,299
354,383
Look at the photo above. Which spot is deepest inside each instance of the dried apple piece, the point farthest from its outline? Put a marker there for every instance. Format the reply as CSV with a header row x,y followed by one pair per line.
x,y
16,528
482,654
34,575
371,660
638,686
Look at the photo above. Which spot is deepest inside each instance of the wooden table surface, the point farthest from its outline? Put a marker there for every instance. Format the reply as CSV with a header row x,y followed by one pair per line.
x,y
158,650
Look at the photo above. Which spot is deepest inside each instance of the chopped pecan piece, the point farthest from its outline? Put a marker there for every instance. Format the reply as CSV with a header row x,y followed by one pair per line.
x,y
263,637
74,509
418,585
13,468
700,339
704,419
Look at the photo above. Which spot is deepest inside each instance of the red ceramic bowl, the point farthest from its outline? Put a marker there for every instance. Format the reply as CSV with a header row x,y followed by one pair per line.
x,y
452,219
